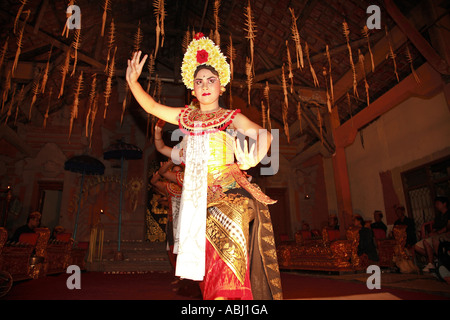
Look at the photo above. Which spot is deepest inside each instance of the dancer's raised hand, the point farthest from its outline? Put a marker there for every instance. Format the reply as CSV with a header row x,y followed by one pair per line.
x,y
246,159
135,66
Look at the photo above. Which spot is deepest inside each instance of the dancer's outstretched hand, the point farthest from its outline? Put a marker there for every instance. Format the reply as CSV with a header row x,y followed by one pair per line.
x,y
246,159
135,66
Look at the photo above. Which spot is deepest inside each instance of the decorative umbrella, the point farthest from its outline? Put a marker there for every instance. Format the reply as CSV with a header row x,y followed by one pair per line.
x,y
86,165
123,151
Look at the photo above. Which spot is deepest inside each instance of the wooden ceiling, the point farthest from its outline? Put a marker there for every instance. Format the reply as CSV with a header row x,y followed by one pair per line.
x,y
320,24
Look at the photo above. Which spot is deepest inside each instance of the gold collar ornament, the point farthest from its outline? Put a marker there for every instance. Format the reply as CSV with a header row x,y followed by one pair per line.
x,y
202,50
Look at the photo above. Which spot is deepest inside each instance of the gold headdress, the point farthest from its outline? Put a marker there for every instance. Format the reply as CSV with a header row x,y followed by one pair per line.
x,y
202,50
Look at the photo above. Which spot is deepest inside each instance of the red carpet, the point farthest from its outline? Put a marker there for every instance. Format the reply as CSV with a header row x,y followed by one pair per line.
x,y
159,286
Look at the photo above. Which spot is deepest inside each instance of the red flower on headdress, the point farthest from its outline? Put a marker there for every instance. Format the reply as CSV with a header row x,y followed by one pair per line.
x,y
198,36
202,56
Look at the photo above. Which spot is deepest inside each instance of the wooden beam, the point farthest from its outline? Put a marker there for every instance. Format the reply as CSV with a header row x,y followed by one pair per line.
x,y
417,39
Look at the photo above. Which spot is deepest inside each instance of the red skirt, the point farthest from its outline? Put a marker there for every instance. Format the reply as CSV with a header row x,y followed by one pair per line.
x,y
221,282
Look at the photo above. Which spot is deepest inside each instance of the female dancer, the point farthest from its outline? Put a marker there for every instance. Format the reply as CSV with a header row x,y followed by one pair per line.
x,y
225,232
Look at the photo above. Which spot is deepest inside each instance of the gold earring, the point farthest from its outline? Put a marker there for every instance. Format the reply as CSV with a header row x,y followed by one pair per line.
x,y
193,93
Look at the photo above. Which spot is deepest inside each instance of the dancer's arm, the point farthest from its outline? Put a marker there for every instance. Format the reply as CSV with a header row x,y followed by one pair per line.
x,y
263,138
134,70
159,143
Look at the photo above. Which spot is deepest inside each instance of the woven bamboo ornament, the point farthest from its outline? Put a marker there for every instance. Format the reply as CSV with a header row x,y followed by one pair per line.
x,y
19,42
20,99
64,71
6,88
266,96
76,102
365,32
299,115
324,72
11,102
108,89
92,119
138,37
76,43
290,75
3,52
106,8
410,61
296,38
111,41
248,72
319,123
216,22
363,70
47,67
35,93
160,15
92,95
349,48
44,124
329,73
392,54
311,69
263,114
19,13
285,105
151,69
250,27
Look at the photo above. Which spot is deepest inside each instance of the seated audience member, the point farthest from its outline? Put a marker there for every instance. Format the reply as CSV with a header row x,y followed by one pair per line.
x,y
33,221
57,230
366,241
333,223
411,237
440,232
378,224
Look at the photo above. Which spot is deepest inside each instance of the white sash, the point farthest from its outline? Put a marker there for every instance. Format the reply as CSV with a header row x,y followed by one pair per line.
x,y
192,216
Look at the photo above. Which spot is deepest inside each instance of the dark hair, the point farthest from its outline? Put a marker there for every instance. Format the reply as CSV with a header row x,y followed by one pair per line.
x,y
205,66
360,219
442,199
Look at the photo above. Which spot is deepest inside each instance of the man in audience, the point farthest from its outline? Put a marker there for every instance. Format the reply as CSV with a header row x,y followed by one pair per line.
x,y
440,231
33,221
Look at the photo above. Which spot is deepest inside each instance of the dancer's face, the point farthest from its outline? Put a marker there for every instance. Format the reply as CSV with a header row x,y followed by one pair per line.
x,y
207,87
